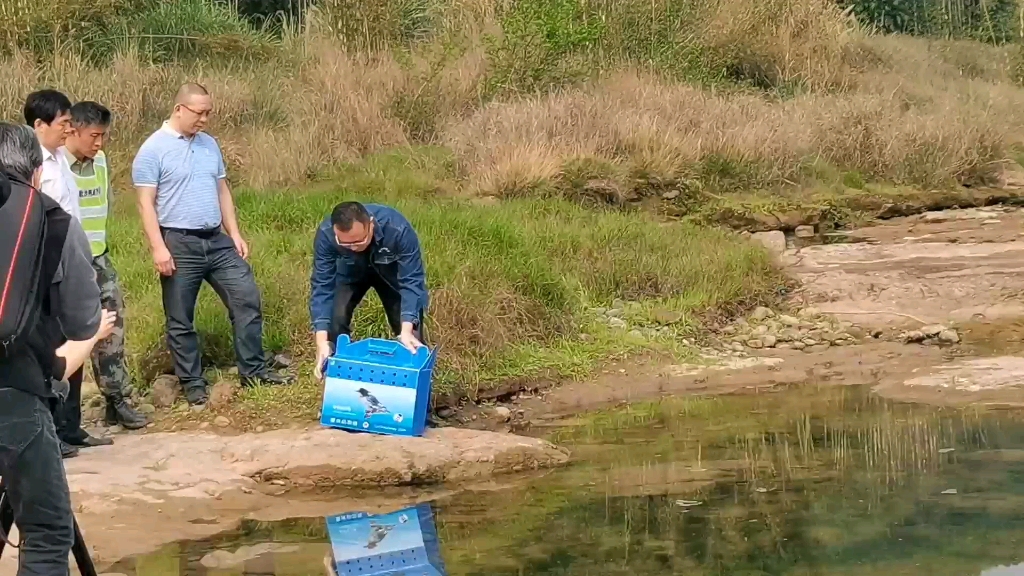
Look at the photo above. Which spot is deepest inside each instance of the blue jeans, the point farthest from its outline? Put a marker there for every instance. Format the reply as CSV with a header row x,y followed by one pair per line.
x,y
210,256
32,470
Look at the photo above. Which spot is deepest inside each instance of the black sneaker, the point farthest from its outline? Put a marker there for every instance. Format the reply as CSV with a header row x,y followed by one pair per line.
x,y
90,441
197,397
268,379
67,450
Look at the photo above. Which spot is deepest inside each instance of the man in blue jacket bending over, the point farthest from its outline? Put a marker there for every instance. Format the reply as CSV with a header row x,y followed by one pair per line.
x,y
361,247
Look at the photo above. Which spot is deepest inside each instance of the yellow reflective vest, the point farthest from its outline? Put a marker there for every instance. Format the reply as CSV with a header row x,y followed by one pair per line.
x,y
93,202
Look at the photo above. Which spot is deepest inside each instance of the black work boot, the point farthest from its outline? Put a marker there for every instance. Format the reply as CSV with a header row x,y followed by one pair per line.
x,y
119,413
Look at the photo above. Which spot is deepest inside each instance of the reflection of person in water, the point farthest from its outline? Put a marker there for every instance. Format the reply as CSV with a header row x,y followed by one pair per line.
x,y
373,406
379,531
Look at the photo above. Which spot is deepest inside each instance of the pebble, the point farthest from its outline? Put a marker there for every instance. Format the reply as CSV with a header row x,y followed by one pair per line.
x,y
809,342
810,312
737,346
636,333
617,323
931,330
804,232
204,425
798,345
789,320
260,429
755,343
912,337
769,341
503,413
761,330
147,408
614,313
949,336
788,335
761,313
855,332
221,422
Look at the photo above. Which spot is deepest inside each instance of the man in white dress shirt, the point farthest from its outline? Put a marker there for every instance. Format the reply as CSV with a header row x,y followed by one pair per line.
x,y
48,113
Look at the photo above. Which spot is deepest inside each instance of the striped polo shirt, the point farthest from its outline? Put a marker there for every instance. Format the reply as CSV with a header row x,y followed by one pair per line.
x,y
186,173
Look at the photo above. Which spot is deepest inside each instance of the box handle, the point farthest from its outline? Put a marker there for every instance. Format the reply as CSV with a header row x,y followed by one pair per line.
x,y
388,349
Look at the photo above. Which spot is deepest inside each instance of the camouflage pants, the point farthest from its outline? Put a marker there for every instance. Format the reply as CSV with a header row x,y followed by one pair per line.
x,y
108,362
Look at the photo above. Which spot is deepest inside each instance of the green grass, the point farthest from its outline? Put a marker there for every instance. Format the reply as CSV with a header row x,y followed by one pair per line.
x,y
511,284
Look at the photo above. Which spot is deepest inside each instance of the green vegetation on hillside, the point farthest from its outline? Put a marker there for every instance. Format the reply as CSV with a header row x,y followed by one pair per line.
x,y
511,284
713,110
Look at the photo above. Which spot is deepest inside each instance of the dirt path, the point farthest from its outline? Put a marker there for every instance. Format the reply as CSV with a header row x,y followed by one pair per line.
x,y
961,269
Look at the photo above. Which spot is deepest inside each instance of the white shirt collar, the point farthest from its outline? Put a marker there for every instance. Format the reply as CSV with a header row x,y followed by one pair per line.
x,y
47,155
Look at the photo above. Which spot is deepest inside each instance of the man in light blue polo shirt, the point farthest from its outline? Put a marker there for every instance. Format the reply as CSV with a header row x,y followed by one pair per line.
x,y
189,217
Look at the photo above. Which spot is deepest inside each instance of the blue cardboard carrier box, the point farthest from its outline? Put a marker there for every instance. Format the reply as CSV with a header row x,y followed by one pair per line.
x,y
400,543
379,386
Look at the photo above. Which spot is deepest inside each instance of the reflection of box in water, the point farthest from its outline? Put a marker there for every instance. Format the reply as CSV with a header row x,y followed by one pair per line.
x,y
378,386
400,543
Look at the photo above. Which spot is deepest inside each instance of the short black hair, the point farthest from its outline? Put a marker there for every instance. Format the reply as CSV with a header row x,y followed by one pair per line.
x,y
348,213
88,113
45,105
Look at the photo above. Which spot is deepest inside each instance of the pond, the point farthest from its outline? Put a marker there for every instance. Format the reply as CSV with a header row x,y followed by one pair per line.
x,y
809,481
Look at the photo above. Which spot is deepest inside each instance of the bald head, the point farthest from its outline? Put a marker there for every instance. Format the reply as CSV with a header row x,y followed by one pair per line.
x,y
188,91
192,108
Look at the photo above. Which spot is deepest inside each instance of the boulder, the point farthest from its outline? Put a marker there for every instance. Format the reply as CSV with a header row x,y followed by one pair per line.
x,y
222,394
774,241
165,391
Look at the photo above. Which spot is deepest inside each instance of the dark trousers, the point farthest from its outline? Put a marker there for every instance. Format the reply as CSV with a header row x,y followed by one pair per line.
x,y
31,466
67,416
211,257
348,296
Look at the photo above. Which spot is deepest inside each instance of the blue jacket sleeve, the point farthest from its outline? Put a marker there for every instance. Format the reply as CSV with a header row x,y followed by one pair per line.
x,y
321,282
412,277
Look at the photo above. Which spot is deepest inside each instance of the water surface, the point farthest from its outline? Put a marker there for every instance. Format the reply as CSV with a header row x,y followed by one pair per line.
x,y
811,481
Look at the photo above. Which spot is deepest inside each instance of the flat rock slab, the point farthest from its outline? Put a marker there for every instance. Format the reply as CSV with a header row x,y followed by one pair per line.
x,y
996,382
204,465
977,375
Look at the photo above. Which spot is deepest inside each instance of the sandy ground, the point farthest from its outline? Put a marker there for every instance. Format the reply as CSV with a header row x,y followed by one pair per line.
x,y
958,268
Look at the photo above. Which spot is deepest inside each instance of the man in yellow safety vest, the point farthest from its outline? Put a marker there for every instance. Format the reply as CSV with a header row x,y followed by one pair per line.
x,y
90,125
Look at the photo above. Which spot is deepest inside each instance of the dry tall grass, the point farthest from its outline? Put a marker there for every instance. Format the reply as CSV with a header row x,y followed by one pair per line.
x,y
901,110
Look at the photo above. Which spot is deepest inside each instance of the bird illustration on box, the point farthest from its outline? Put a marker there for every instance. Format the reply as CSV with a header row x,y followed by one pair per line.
x,y
379,531
373,406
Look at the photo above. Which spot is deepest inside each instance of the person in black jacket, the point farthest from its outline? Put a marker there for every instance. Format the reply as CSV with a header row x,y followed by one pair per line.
x,y
69,304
